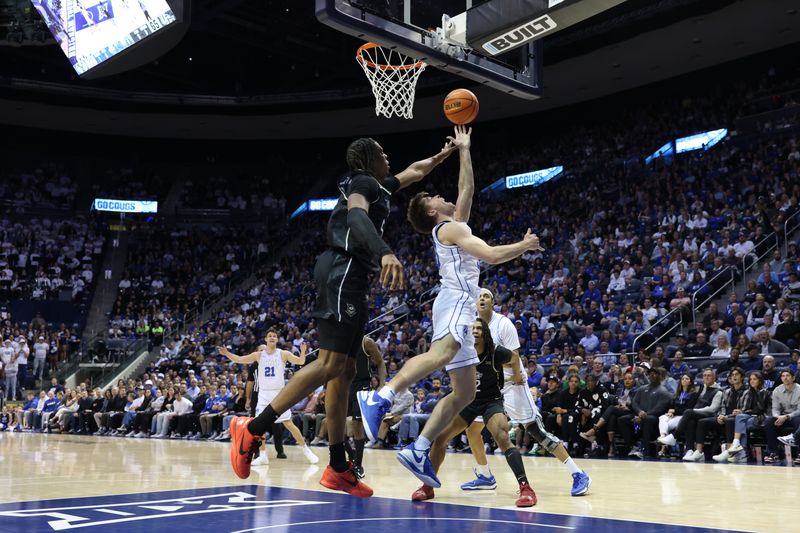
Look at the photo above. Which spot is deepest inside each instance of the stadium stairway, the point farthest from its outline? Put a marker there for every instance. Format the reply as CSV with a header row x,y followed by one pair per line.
x,y
107,286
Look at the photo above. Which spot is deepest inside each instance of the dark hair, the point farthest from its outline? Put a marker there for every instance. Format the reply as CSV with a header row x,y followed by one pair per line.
x,y
679,390
272,330
417,213
362,155
738,370
488,341
760,379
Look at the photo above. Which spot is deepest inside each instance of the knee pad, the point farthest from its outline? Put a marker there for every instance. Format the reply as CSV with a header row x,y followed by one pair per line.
x,y
547,440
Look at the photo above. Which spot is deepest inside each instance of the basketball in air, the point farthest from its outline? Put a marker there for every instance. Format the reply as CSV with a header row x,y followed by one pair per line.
x,y
461,106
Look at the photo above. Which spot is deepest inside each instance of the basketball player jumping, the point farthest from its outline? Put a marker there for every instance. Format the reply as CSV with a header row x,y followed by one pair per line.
x,y
488,405
271,368
453,346
369,353
519,406
342,275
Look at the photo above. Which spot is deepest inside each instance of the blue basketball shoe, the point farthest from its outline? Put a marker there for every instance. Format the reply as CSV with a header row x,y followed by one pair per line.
x,y
480,482
419,463
580,483
373,408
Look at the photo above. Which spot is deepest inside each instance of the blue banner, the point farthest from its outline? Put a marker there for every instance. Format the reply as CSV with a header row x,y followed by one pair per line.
x,y
96,14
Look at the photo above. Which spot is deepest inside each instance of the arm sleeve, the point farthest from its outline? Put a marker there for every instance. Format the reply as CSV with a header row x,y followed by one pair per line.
x,y
365,233
712,409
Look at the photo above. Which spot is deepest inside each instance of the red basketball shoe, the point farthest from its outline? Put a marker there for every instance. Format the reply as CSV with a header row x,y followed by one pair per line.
x,y
243,445
527,498
423,493
345,481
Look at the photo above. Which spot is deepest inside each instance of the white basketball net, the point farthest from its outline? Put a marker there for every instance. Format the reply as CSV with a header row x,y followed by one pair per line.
x,y
393,77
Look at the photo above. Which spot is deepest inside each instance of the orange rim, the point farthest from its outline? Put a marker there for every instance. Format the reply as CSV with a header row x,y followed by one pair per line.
x,y
368,46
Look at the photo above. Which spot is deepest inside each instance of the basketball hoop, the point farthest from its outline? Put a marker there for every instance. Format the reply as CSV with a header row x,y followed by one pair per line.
x,y
393,77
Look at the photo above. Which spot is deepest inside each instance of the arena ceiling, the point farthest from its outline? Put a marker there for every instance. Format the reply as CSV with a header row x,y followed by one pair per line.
x,y
238,72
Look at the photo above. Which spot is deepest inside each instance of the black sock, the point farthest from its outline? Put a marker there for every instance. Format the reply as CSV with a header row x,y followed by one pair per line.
x,y
359,451
514,460
262,423
277,437
351,453
338,459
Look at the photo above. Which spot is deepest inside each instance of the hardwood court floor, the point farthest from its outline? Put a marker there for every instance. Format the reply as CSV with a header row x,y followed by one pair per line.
x,y
736,497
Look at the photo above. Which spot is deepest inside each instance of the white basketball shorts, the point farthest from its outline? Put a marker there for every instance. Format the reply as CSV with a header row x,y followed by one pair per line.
x,y
453,313
264,399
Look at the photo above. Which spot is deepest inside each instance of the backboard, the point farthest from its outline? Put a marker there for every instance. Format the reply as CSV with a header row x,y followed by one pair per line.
x,y
414,28
494,42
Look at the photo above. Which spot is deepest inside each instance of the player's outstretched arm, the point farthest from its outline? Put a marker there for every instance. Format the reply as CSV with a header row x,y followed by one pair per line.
x,y
363,230
418,170
461,236
289,357
466,179
374,353
244,359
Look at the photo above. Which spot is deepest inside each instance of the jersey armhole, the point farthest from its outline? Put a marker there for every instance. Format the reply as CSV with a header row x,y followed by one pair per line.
x,y
435,235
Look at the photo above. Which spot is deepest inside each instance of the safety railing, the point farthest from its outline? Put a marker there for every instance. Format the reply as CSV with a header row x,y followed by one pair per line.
x,y
657,324
758,257
710,283
794,218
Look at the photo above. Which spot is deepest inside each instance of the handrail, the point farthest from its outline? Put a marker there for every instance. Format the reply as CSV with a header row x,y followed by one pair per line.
x,y
653,325
758,258
787,230
696,306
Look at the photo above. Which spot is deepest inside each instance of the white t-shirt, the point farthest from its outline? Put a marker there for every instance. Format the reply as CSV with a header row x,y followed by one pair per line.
x,y
40,350
505,334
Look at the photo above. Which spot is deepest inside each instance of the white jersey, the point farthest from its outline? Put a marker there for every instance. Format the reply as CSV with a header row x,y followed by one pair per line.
x,y
270,370
457,269
505,334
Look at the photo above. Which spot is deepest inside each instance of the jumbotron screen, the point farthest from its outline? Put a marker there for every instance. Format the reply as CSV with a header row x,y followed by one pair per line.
x,y
91,32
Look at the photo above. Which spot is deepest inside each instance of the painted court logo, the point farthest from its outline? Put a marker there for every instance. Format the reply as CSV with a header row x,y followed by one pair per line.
x,y
107,512
520,35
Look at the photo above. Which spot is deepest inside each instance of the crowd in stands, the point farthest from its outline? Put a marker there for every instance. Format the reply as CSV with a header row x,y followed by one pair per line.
x,y
43,259
619,256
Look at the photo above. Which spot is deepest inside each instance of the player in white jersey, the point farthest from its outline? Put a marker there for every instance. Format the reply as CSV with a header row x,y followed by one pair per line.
x,y
518,404
271,368
458,253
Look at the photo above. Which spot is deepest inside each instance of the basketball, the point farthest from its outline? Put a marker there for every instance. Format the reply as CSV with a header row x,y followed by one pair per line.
x,y
461,106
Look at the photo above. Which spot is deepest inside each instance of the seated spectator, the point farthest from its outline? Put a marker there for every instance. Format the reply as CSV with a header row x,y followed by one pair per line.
x,y
402,405
757,311
684,398
678,367
788,331
700,348
723,349
753,361
650,402
707,407
785,417
772,378
753,409
767,345
414,420
731,362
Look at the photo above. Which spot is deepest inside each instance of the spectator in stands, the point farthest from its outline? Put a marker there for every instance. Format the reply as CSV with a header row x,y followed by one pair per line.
x,y
788,331
723,349
32,407
180,407
40,351
772,377
730,362
767,345
678,367
707,406
731,406
785,414
739,328
421,409
753,361
700,348
650,402
757,312
754,407
684,398
9,357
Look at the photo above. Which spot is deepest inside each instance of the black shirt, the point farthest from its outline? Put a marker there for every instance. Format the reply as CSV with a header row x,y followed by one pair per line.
x,y
378,195
490,374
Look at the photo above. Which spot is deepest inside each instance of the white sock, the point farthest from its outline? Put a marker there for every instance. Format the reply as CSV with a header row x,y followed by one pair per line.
x,y
736,442
422,444
483,470
386,393
571,466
